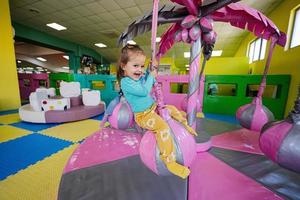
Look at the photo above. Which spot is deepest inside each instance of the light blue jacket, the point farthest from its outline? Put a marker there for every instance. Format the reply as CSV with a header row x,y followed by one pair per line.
x,y
137,93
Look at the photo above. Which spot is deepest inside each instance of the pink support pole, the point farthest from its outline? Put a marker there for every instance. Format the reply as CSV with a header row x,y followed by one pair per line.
x,y
263,82
157,88
194,82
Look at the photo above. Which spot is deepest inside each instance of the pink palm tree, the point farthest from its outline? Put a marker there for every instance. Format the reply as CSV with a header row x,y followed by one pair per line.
x,y
193,24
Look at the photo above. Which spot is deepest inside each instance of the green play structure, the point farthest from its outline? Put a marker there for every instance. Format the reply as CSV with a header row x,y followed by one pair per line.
x,y
105,83
224,94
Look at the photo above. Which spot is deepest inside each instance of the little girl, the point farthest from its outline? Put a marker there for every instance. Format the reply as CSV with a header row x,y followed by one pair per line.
x,y
136,88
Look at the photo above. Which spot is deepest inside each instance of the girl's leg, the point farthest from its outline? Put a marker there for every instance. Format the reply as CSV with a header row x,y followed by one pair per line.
x,y
155,123
175,114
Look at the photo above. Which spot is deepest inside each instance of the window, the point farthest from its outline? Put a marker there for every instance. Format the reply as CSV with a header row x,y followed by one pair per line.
x,y
42,83
164,69
257,50
295,38
26,82
180,88
221,89
271,91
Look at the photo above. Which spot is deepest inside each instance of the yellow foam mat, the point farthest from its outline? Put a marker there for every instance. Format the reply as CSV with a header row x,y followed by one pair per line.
x,y
10,118
75,131
39,181
200,115
10,132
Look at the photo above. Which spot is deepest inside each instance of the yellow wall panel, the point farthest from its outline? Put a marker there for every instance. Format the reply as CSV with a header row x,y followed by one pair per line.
x,y
9,87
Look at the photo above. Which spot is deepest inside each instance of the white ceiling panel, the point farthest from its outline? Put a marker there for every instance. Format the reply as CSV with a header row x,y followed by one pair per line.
x,y
110,5
90,21
126,3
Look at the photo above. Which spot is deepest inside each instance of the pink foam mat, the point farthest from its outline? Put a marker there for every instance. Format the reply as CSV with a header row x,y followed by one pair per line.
x,y
104,146
239,140
212,179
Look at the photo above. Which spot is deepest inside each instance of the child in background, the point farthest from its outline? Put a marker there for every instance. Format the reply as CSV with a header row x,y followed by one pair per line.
x,y
136,87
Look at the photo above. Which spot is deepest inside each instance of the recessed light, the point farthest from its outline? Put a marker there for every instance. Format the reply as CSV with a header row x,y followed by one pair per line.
x,y
66,57
131,42
56,26
217,52
187,54
158,39
41,59
101,45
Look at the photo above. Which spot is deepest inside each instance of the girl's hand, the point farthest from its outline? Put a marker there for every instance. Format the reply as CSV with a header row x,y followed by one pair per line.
x,y
154,68
155,63
154,73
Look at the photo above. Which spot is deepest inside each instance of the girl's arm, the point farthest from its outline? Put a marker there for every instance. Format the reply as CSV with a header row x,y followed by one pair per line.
x,y
136,87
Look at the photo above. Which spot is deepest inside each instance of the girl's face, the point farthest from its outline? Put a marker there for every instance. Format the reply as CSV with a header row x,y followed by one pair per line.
x,y
135,66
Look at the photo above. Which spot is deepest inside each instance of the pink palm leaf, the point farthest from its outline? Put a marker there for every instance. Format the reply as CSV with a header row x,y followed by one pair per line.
x,y
237,15
245,17
168,14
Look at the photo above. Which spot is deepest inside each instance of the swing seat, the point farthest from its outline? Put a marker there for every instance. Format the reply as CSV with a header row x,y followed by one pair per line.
x,y
184,144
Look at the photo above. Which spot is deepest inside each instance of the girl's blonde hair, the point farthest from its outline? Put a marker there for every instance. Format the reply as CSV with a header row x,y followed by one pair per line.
x,y
124,58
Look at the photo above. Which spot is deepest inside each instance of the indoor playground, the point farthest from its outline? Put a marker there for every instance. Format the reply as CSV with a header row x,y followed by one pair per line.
x,y
68,130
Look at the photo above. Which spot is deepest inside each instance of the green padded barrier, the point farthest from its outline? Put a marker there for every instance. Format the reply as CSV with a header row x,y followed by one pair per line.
x,y
104,83
224,94
81,78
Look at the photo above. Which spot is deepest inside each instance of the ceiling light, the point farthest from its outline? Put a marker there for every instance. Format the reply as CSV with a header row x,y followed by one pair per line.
x,y
101,45
217,53
65,67
187,54
41,59
19,61
66,57
131,42
56,26
158,39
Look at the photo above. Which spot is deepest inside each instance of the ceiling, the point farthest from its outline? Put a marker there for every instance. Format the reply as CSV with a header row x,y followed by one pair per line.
x,y
94,21
27,53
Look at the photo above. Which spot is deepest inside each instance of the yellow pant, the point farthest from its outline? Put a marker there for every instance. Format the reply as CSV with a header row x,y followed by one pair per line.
x,y
150,120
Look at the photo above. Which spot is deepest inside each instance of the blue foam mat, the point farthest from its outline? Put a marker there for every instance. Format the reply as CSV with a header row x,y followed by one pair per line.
x,y
24,151
98,117
8,112
34,126
226,118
